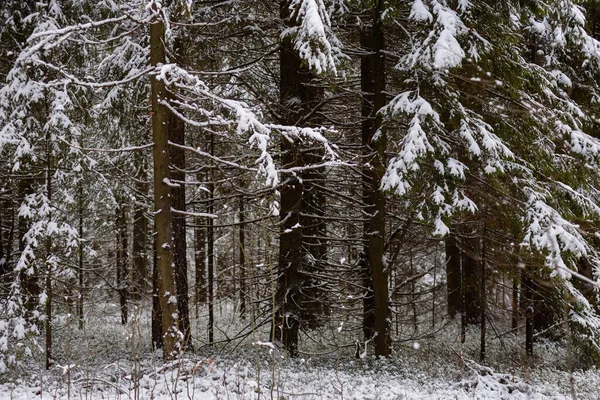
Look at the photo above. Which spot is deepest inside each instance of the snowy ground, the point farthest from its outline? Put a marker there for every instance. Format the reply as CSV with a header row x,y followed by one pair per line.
x,y
221,378
109,361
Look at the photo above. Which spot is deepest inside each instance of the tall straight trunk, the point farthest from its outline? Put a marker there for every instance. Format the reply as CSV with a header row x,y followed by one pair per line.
x,y
242,217
295,94
7,222
177,156
314,230
200,260
210,264
527,303
30,279
470,285
11,233
482,290
313,206
453,275
157,336
374,144
122,260
290,256
8,248
515,302
80,211
49,294
3,265
140,231
167,291
6,229
528,317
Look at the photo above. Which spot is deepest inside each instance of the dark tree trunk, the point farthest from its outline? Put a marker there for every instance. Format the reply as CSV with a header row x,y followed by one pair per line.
x,y
515,302
547,306
483,291
314,229
29,278
210,265
177,158
295,95
453,276
11,233
290,255
374,144
140,231
3,264
49,288
527,303
167,288
157,338
9,229
200,259
122,261
80,211
471,276
242,218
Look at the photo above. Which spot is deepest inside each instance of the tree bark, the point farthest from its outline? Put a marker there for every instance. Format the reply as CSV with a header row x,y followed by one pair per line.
x,y
482,290
80,211
210,265
7,227
515,303
122,260
298,298
242,217
200,259
30,280
3,264
528,306
373,83
157,335
140,231
471,275
177,157
48,288
163,201
453,275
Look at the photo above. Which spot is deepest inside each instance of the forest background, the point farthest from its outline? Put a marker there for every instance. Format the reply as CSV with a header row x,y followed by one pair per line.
x,y
388,170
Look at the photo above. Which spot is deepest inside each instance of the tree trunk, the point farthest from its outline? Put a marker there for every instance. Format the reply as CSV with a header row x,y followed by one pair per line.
x,y
374,145
242,217
453,275
314,231
140,231
3,264
8,248
200,260
177,157
167,292
80,211
302,247
290,255
515,303
528,306
157,336
7,226
471,275
49,294
483,291
210,265
122,260
30,279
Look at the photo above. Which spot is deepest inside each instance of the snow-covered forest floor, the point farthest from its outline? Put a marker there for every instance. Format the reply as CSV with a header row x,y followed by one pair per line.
x,y
107,360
